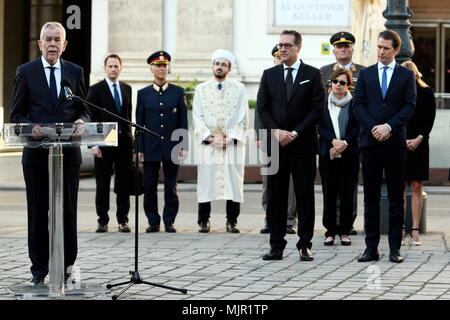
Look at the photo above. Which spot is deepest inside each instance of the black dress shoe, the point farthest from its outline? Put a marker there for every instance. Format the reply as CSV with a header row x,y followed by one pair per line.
x,y
170,228
123,227
273,254
152,228
370,254
395,256
37,280
329,242
101,228
231,227
290,230
204,227
306,255
265,230
353,232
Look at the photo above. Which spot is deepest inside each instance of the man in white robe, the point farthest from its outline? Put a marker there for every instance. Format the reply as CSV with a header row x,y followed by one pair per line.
x,y
220,116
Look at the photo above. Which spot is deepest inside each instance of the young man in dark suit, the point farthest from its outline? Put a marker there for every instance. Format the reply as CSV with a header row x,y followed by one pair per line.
x,y
291,101
161,108
384,101
39,99
114,96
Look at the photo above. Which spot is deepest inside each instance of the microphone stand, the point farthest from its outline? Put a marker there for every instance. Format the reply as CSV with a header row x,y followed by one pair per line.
x,y
135,276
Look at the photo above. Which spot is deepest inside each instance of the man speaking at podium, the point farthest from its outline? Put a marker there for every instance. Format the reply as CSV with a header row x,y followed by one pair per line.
x,y
38,98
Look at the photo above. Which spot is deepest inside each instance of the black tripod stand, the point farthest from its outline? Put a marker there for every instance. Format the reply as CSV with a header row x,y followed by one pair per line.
x,y
135,276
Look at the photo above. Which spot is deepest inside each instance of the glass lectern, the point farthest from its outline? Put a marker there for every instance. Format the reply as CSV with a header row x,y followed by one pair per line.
x,y
55,137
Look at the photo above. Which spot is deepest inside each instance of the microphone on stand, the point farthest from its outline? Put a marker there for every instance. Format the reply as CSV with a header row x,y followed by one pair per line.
x,y
65,84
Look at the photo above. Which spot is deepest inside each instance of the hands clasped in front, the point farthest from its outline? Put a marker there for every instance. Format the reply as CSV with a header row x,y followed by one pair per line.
x,y
220,142
284,137
339,146
381,132
413,144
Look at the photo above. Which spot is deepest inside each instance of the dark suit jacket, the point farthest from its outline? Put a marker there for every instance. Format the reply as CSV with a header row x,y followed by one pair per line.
x,y
327,134
422,121
303,110
161,114
395,109
100,95
32,103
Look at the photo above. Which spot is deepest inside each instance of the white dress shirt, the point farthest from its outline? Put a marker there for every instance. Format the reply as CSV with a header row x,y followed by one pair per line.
x,y
111,88
57,66
389,72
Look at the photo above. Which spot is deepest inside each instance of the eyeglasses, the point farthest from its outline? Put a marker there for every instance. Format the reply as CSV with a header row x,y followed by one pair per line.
x,y
223,65
342,83
286,45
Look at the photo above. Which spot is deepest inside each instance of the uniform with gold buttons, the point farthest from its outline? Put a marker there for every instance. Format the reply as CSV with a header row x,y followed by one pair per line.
x,y
161,108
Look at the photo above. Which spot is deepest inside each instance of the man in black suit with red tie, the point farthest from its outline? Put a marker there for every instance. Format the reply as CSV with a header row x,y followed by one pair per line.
x,y
291,101
385,99
114,96
38,99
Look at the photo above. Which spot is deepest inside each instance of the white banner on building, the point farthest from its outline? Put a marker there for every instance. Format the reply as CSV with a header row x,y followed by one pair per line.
x,y
317,13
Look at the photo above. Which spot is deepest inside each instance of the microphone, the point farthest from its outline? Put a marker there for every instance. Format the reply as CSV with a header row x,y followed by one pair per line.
x,y
65,84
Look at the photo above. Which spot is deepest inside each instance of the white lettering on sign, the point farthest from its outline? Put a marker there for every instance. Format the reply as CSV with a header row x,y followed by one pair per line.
x,y
317,13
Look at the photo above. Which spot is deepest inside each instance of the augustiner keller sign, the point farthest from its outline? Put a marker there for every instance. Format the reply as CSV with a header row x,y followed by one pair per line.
x,y
312,13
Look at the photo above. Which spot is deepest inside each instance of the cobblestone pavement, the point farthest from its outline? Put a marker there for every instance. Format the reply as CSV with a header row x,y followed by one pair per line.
x,y
229,266
223,266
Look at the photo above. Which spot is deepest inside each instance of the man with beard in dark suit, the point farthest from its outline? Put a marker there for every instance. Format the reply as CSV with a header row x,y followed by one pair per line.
x,y
38,99
290,103
114,96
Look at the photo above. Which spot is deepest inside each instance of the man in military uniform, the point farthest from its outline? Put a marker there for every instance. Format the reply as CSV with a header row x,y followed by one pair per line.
x,y
343,51
292,204
161,108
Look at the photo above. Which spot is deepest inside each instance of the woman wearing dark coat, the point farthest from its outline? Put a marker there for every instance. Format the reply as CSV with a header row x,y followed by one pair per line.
x,y
418,134
339,158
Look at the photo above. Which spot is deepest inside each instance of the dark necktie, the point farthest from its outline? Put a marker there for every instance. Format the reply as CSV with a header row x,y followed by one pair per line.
x,y
219,86
289,83
384,85
117,98
53,89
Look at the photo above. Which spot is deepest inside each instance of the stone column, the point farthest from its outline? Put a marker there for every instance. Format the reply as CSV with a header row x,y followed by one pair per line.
x,y
135,27
202,28
135,30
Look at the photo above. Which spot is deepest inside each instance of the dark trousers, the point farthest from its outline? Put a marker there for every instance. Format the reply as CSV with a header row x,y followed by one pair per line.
x,y
171,203
36,181
391,160
291,207
302,167
121,159
339,181
233,209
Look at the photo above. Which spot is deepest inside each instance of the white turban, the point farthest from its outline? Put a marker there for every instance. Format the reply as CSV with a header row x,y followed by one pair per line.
x,y
222,53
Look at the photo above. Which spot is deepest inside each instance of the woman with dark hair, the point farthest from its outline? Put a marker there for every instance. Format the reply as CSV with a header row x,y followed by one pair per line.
x,y
417,135
339,158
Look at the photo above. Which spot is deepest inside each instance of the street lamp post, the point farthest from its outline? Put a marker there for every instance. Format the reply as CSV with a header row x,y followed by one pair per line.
x,y
397,16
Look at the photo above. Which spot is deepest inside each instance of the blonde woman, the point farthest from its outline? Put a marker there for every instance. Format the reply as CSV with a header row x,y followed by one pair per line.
x,y
418,133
